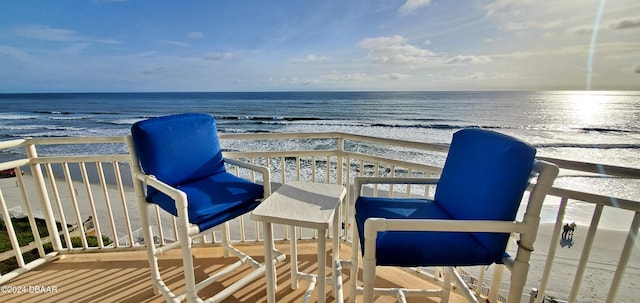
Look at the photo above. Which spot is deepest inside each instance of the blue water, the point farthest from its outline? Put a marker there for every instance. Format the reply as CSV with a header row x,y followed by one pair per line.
x,y
571,125
600,127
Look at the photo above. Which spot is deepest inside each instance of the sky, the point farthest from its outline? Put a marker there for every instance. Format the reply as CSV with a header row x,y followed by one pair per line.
x,y
318,45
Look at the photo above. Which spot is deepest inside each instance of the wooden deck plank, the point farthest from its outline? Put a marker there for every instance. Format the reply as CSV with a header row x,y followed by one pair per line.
x,y
124,277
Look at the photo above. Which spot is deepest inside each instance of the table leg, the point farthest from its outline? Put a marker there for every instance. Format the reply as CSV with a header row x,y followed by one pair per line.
x,y
268,262
294,257
322,265
337,217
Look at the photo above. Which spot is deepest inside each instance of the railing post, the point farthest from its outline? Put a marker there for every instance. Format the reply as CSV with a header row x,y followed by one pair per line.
x,y
553,246
624,258
496,281
339,163
533,295
44,198
480,281
10,231
586,250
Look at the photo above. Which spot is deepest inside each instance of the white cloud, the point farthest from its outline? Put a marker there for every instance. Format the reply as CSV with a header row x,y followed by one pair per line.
x,y
395,50
410,6
511,7
47,33
152,71
15,53
363,77
396,76
582,30
296,81
174,43
345,77
477,76
309,58
625,23
75,48
469,59
108,41
195,35
218,56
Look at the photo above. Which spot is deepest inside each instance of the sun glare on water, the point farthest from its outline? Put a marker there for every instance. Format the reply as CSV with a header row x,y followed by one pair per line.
x,y
588,109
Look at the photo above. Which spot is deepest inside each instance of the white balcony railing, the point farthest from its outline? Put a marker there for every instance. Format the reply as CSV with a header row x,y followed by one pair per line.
x,y
90,195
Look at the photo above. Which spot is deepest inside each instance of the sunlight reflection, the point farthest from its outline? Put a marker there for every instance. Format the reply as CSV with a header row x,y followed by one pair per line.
x,y
588,109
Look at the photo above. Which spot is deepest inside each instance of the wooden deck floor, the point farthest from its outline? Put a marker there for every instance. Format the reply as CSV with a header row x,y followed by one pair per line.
x,y
124,277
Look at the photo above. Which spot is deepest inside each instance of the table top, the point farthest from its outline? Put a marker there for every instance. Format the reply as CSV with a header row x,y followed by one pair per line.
x,y
304,204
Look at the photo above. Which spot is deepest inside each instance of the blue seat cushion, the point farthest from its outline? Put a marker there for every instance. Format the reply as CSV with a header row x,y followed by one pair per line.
x,y
214,199
412,248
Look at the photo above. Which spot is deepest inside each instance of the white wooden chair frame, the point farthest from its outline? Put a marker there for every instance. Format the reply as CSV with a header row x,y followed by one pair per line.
x,y
187,232
519,266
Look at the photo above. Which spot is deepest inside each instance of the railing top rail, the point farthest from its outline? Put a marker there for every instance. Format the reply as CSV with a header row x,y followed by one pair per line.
x,y
281,153
396,142
337,135
79,159
75,140
277,136
11,143
611,170
595,198
619,171
400,163
13,164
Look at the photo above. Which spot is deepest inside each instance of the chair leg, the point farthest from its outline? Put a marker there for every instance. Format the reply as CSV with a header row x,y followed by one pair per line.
x,y
187,262
446,283
519,274
369,259
353,273
369,277
147,234
226,239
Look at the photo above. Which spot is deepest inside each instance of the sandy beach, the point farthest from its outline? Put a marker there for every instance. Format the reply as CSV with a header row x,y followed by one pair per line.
x,y
14,201
601,267
594,287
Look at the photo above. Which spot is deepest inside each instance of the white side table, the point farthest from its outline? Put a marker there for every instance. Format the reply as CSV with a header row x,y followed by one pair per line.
x,y
304,204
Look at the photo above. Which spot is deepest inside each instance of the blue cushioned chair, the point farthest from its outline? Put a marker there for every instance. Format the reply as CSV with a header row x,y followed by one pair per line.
x,y
178,165
467,222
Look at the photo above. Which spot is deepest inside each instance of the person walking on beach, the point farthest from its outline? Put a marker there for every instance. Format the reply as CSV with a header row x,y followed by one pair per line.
x,y
565,230
572,228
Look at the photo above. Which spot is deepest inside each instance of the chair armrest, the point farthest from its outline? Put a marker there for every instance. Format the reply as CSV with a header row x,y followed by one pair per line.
x,y
375,225
177,195
258,168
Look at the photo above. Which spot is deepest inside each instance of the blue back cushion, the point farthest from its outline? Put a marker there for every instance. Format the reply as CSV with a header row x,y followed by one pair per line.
x,y
484,178
179,148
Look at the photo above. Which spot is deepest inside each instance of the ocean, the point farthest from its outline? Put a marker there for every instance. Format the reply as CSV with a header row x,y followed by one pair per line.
x,y
597,127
